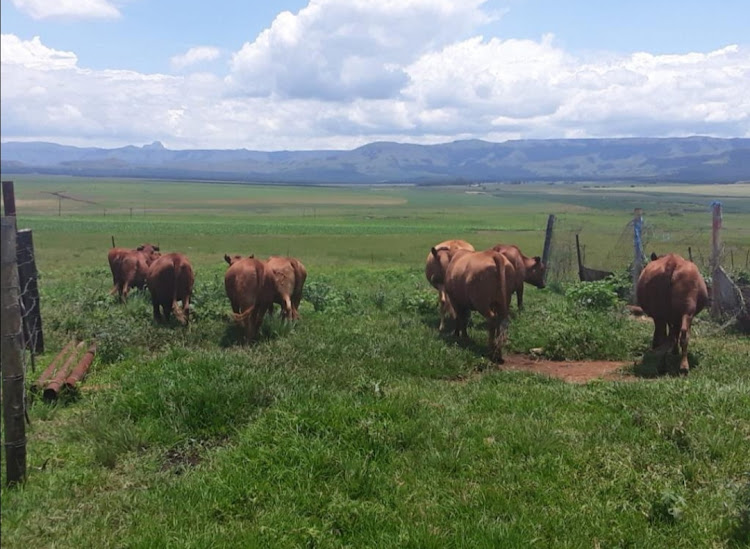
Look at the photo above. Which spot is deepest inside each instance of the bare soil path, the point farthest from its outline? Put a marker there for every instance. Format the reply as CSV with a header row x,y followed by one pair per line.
x,y
571,372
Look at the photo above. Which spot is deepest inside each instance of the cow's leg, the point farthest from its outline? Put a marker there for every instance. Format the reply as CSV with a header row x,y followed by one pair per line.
x,y
684,340
492,343
125,290
286,308
462,323
295,305
186,308
249,325
673,337
519,297
660,333
167,308
442,310
254,321
157,313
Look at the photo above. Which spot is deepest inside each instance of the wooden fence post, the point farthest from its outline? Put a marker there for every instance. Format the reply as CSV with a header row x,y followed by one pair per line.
x,y
548,244
9,199
12,357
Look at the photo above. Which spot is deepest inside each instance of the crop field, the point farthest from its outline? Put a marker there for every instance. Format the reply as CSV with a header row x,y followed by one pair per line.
x,y
360,425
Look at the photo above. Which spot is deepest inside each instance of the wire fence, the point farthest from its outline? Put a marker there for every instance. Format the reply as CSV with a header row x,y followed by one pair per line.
x,y
614,251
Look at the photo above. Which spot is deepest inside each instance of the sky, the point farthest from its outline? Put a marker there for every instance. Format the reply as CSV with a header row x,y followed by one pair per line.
x,y
337,74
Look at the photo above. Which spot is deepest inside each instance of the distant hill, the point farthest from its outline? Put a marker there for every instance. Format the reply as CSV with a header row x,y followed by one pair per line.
x,y
689,159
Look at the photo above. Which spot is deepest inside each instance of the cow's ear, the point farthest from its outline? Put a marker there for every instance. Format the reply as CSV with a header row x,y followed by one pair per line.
x,y
251,256
434,252
156,249
227,259
537,259
654,256
140,248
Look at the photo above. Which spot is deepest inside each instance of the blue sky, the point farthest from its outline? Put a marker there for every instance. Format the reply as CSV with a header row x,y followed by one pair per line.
x,y
341,73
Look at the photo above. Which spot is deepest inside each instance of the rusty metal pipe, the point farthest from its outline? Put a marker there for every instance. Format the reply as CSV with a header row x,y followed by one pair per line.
x,y
39,385
50,393
79,372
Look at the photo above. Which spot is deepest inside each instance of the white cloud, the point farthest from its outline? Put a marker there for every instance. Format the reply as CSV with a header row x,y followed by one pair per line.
x,y
346,49
195,55
73,9
342,73
32,54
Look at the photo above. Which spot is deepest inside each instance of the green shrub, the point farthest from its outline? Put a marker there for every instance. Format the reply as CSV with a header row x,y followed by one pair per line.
x,y
379,299
565,330
321,294
421,301
742,277
598,295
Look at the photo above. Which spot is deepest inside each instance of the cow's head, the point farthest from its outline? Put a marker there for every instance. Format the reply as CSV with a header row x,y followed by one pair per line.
x,y
150,251
535,272
443,257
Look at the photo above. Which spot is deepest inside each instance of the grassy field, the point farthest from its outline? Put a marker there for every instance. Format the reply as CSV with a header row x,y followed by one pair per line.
x,y
360,425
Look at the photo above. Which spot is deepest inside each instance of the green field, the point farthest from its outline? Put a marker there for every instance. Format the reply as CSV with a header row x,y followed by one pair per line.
x,y
360,425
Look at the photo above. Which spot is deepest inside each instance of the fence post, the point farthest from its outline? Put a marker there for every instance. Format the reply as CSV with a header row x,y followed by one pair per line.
x,y
548,244
715,256
9,199
11,357
637,248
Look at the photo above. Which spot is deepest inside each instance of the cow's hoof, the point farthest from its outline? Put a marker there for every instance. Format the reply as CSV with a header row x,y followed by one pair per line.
x,y
684,371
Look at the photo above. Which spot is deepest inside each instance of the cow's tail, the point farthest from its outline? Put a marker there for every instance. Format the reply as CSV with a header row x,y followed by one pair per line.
x,y
179,314
241,317
504,303
669,271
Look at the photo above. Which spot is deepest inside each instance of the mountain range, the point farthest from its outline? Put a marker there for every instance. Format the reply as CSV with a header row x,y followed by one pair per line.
x,y
688,159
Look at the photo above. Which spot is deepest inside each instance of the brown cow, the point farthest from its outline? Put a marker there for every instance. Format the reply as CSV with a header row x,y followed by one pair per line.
x,y
480,281
435,267
672,291
130,267
251,289
289,276
170,279
527,269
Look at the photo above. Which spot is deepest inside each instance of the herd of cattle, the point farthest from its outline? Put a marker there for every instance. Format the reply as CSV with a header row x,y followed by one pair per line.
x,y
252,285
670,289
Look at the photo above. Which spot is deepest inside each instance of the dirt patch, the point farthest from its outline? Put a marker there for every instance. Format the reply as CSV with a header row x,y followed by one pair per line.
x,y
570,372
180,460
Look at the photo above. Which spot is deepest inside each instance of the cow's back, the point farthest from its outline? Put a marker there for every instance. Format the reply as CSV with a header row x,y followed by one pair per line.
x,y
115,254
161,279
284,274
689,292
433,270
300,276
514,255
475,279
184,277
670,287
247,283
